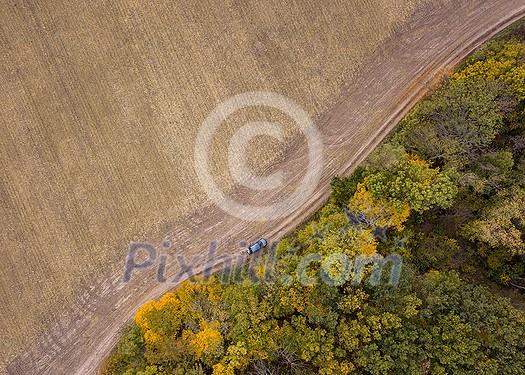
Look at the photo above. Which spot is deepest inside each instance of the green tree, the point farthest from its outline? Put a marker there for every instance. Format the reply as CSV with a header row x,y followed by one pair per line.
x,y
457,122
501,224
344,187
413,182
131,345
490,172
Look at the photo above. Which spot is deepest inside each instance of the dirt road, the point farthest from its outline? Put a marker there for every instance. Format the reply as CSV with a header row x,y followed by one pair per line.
x,y
398,75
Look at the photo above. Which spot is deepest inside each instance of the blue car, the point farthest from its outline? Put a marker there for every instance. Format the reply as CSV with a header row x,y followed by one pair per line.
x,y
256,246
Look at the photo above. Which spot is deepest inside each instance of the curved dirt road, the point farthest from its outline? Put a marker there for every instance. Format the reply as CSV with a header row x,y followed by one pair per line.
x,y
398,75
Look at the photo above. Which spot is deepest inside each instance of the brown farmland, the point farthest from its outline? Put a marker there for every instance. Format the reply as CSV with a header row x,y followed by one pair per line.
x,y
101,104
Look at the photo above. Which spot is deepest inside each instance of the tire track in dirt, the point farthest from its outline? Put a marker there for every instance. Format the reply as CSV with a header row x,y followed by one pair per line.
x,y
397,76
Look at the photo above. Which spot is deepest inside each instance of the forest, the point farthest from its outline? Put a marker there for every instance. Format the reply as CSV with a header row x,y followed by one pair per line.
x,y
445,191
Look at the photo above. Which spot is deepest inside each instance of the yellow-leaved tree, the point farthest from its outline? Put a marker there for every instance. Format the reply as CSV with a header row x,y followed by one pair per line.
x,y
378,212
184,325
504,61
